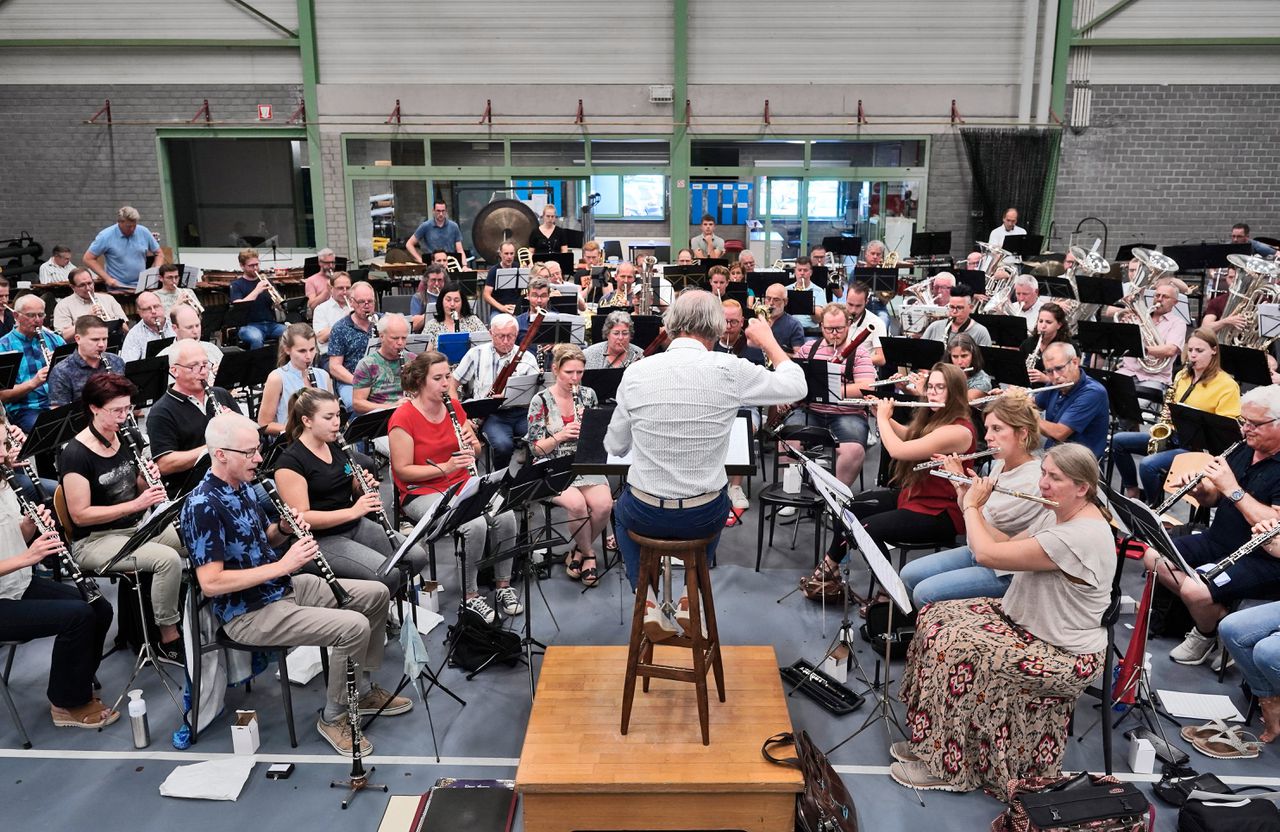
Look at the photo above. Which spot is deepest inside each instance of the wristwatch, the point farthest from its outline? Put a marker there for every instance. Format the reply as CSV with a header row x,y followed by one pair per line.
x,y
1236,496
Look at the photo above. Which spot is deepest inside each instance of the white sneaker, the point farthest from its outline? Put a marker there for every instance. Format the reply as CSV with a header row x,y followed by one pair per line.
x,y
738,498
787,514
658,625
481,607
508,601
1194,649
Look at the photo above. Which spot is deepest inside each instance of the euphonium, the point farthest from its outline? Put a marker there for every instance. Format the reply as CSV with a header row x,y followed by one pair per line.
x,y
1163,428
1251,288
451,264
1152,266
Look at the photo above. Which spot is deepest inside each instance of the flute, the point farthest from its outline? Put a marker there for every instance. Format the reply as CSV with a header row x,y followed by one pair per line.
x,y
947,475
874,402
366,488
937,463
1249,546
901,377
88,588
287,514
1032,391
1193,482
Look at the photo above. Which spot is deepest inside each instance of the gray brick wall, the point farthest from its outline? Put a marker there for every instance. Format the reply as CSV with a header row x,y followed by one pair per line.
x,y
1162,164
65,179
950,192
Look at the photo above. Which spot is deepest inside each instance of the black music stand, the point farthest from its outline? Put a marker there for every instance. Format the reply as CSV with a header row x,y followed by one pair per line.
x,y
294,310
591,457
759,282
1101,291
815,377
931,244
604,382
1122,394
368,426
553,332
150,376
1110,340
245,369
60,353
1200,430
480,409
682,277
9,363
53,429
799,303
1125,252
1006,366
159,345
879,279
647,327
916,353
212,320
739,292
564,304
975,279
565,260
1056,287
1206,255
820,277
1023,245
1005,330
1245,365
843,246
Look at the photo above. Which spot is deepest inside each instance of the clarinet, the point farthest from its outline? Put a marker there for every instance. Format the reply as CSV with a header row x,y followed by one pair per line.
x,y
88,588
45,352
358,775
366,488
340,594
218,409
457,431
139,458
1249,546
1193,482
579,403
313,378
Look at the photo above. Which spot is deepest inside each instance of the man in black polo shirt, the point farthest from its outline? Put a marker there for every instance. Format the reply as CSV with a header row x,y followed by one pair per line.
x,y
176,423
1245,487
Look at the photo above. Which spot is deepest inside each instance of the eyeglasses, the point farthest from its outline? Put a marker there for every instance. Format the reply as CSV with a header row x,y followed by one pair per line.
x,y
118,411
1246,424
1053,371
35,316
834,328
250,453
935,388
196,367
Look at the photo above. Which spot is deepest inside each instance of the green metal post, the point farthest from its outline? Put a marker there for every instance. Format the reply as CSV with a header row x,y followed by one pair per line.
x,y
680,143
310,79
1061,54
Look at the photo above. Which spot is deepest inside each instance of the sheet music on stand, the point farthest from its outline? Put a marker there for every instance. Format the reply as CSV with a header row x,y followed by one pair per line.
x,y
1269,320
428,528
513,279
1137,520
520,390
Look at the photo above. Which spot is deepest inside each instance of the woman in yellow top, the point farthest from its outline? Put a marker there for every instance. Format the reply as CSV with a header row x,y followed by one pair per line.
x,y
1201,384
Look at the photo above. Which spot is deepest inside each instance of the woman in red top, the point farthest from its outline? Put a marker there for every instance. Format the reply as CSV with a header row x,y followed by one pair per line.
x,y
920,508
426,459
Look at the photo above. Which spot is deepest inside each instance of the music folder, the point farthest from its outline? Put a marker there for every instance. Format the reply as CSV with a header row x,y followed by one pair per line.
x,y
604,382
916,353
1200,430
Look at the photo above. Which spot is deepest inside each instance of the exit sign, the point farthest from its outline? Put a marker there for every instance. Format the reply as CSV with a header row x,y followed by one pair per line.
x,y
264,112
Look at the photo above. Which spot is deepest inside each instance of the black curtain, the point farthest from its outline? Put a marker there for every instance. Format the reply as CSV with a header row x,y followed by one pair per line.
x,y
1010,170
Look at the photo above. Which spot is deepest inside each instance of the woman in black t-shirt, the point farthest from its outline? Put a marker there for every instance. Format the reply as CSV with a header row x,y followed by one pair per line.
x,y
1051,328
548,238
315,477
107,496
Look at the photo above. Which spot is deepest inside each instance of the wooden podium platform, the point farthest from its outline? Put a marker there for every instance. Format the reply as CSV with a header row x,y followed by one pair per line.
x,y
578,772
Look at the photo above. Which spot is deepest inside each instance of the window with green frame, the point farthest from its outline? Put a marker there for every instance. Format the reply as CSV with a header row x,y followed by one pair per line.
x,y
631,196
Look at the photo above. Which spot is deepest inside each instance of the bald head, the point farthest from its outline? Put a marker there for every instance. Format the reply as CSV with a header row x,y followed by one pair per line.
x,y
185,321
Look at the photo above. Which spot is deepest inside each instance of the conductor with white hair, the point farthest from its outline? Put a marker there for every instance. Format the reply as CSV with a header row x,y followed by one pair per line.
x,y
674,414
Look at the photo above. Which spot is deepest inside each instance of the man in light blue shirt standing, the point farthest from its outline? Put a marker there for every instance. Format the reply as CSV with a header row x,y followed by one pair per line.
x,y
437,234
119,253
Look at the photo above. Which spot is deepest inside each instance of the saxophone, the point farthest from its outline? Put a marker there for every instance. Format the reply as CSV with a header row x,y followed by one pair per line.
x,y
1034,356
1163,428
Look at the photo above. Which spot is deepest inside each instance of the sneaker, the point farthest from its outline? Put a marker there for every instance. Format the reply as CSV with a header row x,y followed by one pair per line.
x,y
916,775
1194,649
658,625
787,514
481,608
901,751
379,698
338,734
738,498
508,601
682,617
172,653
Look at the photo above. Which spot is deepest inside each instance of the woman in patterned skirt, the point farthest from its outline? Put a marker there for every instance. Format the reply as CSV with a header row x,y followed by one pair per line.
x,y
990,684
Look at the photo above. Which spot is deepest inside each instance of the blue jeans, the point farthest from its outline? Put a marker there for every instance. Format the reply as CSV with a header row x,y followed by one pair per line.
x,y
953,575
1151,472
344,395
629,514
500,431
253,335
1252,637
845,427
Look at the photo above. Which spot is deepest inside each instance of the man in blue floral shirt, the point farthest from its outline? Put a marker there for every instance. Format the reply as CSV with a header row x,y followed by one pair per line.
x,y
255,593
30,391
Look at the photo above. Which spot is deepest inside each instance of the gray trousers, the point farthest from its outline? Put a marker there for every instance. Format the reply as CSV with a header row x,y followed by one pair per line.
x,y
162,556
359,553
310,615
474,535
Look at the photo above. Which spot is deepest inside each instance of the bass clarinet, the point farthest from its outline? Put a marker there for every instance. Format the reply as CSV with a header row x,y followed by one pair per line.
x,y
457,431
287,513
88,588
367,487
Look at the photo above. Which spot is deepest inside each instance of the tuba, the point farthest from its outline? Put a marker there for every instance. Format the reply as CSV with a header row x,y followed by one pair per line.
x,y
1252,287
1152,266
999,289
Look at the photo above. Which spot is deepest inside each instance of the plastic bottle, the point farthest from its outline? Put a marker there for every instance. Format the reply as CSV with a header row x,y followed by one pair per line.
x,y
138,720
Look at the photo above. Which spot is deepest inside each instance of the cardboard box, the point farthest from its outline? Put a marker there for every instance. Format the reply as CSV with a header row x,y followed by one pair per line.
x,y
429,596
244,732
835,664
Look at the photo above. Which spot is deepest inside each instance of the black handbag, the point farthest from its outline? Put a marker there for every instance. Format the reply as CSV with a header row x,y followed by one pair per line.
x,y
825,804
1234,813
876,631
479,644
1084,802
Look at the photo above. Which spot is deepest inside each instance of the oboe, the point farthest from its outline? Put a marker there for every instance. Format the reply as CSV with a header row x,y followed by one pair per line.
x,y
938,463
1230,560
88,588
457,431
947,475
1031,392
287,513
367,488
1193,482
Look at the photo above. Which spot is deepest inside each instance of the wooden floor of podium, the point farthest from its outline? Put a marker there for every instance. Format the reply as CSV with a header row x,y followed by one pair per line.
x,y
578,772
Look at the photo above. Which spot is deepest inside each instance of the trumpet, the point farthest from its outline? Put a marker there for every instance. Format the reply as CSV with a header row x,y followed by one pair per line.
x,y
1035,498
938,463
1193,482
457,432
190,299
88,588
272,292
1251,545
287,514
451,264
1031,392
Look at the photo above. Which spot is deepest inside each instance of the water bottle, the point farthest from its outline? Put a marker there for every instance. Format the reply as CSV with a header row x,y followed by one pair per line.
x,y
138,720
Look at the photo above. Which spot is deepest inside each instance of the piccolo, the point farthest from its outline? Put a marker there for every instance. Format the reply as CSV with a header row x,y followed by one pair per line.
x,y
1193,482
290,516
1031,391
937,463
1249,546
947,475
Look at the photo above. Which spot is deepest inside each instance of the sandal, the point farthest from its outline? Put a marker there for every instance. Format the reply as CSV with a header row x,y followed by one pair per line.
x,y
590,577
611,543
734,518
573,566
89,715
878,598
1228,745
1208,731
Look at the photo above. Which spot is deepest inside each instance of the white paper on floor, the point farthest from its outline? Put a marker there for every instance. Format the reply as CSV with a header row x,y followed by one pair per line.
x,y
1204,706
212,780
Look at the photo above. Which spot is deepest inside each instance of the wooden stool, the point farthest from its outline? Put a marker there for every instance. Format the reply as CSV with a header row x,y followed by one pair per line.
x,y
706,649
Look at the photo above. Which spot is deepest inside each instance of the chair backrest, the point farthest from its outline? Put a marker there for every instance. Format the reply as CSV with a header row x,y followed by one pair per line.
x,y
397,304
64,516
814,440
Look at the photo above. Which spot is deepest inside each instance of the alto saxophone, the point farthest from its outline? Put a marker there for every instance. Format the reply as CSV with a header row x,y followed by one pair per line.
x,y
1163,428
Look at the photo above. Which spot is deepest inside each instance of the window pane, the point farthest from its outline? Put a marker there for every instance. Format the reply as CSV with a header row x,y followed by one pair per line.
x,y
783,197
236,192
547,154
644,196
633,152
824,199
384,152
610,190
446,152
710,153
835,154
